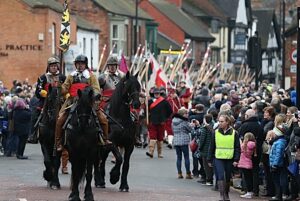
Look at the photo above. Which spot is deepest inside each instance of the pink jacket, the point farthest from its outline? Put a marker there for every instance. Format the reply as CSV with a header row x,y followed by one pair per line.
x,y
246,156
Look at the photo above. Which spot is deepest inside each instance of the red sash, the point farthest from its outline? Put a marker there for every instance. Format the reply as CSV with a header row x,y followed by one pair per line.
x,y
156,102
47,86
74,88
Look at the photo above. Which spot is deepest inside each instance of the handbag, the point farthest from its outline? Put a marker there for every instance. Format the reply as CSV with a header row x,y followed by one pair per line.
x,y
193,145
293,168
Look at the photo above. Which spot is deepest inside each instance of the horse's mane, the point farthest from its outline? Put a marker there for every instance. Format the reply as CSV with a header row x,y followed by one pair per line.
x,y
116,98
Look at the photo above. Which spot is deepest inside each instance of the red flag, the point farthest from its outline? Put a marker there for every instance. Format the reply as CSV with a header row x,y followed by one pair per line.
x,y
123,65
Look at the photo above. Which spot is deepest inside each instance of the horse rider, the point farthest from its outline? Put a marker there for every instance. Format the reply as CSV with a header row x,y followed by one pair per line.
x,y
78,79
109,81
53,77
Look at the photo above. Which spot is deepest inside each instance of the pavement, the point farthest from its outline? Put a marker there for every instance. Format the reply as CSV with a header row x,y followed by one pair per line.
x,y
149,180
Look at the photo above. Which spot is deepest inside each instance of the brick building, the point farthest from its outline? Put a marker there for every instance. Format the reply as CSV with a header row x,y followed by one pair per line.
x,y
178,26
27,33
116,19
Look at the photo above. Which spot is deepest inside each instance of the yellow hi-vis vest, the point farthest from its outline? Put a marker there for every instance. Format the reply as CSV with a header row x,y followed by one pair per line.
x,y
224,145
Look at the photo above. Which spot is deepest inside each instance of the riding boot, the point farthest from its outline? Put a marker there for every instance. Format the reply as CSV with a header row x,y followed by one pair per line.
x,y
59,129
151,148
221,186
159,149
64,161
226,193
103,123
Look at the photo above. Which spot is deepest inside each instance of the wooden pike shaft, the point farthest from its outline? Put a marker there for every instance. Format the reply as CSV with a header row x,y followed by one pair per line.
x,y
110,52
135,56
101,58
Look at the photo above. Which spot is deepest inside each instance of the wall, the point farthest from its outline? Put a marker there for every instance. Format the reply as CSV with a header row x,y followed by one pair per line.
x,y
22,54
166,26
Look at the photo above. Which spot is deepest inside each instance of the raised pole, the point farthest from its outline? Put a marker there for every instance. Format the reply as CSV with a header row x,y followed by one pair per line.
x,y
298,59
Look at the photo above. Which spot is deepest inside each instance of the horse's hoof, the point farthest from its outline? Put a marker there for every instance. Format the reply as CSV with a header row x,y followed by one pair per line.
x,y
89,197
100,186
74,197
124,190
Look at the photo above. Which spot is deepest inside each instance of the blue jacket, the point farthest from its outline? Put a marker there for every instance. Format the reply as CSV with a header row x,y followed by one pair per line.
x,y
276,156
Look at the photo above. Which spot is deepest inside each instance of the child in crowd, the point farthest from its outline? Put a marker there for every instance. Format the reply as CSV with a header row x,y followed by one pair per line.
x,y
248,149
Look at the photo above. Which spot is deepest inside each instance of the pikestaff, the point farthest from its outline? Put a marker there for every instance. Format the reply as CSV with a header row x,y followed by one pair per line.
x,y
110,53
204,64
182,58
135,56
167,59
176,62
101,58
241,71
140,60
147,93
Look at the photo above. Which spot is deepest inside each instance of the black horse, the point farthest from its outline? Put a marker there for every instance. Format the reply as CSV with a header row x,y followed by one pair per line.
x,y
46,136
82,143
122,130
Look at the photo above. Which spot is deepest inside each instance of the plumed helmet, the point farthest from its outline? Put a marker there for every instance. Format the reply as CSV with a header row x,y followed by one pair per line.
x,y
81,58
112,61
52,60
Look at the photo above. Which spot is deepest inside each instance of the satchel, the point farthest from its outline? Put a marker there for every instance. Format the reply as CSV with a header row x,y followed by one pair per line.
x,y
193,145
265,148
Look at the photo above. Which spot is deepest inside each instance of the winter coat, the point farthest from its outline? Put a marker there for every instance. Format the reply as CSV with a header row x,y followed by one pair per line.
x,y
276,156
246,155
181,128
22,121
205,139
253,126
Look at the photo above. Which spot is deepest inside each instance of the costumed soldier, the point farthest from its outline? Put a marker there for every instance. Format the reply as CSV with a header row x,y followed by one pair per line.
x,y
174,101
159,111
109,81
78,79
53,77
184,94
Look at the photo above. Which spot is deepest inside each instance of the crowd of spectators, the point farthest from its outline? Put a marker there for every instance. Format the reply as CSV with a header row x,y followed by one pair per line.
x,y
15,118
267,124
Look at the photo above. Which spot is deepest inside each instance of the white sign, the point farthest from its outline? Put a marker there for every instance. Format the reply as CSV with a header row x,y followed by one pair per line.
x,y
294,56
293,68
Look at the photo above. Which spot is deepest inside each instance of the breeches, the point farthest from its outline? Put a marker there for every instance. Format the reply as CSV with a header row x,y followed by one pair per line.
x,y
156,131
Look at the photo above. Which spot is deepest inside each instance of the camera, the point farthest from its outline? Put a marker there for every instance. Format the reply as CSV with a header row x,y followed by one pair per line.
x,y
296,115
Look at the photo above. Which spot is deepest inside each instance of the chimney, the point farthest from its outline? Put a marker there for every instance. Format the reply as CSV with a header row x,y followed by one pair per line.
x,y
178,3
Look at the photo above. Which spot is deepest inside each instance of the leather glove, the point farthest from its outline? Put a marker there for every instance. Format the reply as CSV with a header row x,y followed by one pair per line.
x,y
67,95
43,93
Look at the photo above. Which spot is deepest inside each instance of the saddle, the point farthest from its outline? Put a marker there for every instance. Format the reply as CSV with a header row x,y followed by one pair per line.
x,y
68,125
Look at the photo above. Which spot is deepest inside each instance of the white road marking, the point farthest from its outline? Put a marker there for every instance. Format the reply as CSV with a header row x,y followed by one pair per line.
x,y
22,199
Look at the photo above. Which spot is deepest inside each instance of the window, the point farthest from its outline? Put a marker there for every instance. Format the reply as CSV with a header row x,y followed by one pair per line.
x,y
53,38
118,37
214,26
84,46
91,59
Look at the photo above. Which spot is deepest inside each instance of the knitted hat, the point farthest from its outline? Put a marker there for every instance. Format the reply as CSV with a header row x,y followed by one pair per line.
x,y
279,130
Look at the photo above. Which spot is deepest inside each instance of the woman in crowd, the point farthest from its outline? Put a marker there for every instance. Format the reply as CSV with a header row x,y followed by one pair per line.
x,y
225,149
182,128
21,118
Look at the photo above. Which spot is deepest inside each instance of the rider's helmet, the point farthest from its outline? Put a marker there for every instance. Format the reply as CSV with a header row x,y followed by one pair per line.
x,y
81,58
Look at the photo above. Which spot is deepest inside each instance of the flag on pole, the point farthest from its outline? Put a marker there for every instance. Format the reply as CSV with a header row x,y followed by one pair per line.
x,y
123,65
64,40
158,77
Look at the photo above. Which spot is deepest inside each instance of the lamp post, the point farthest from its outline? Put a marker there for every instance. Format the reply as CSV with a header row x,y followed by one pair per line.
x,y
298,60
136,25
283,44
